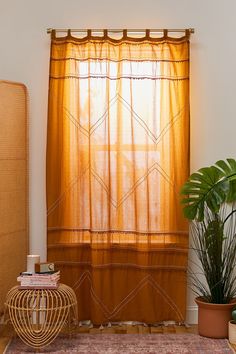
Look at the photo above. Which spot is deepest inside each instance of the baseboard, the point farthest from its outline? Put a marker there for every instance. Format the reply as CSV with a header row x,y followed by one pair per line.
x,y
192,314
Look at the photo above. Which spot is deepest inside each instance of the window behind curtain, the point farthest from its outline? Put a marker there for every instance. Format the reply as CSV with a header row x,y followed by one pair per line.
x,y
117,154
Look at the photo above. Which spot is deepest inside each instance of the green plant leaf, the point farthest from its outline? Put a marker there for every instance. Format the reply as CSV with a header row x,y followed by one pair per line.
x,y
231,195
209,187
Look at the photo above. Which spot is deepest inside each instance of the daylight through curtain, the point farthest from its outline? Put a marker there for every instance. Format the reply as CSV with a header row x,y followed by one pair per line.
x,y
117,155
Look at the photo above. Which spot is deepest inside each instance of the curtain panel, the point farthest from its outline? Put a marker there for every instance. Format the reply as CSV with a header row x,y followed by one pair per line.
x,y
117,155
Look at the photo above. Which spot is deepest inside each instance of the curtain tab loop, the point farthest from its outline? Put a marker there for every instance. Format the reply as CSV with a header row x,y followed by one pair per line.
x,y
89,33
165,33
53,34
124,33
105,33
148,33
68,33
187,33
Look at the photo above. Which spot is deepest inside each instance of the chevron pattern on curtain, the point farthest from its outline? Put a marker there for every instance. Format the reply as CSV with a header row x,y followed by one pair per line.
x,y
117,155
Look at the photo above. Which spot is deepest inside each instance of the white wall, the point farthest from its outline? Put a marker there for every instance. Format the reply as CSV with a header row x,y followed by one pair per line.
x,y
24,57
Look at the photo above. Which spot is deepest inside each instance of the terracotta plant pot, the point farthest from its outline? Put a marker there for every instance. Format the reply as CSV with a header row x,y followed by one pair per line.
x,y
213,319
232,332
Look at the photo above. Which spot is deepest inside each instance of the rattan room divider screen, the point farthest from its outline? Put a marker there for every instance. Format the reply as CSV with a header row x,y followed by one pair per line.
x,y
13,184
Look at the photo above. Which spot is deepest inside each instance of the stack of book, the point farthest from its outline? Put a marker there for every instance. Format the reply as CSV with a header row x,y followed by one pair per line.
x,y
49,280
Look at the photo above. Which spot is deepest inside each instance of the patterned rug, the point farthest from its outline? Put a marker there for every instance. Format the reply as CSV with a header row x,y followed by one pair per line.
x,y
128,344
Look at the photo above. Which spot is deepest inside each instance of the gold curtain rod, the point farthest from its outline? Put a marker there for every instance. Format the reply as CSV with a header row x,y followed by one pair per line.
x,y
191,30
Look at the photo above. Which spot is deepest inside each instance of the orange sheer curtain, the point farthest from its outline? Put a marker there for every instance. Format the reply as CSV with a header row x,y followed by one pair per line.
x,y
117,154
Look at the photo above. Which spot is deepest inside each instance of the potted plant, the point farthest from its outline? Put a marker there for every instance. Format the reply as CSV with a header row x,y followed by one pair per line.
x,y
209,197
232,327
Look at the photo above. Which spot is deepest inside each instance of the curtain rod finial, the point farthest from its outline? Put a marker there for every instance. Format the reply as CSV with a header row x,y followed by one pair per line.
x,y
49,30
191,30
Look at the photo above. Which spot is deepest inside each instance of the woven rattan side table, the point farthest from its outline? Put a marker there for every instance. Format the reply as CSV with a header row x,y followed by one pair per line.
x,y
38,316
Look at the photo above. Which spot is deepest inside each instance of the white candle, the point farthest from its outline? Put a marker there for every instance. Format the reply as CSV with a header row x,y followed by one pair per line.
x,y
31,260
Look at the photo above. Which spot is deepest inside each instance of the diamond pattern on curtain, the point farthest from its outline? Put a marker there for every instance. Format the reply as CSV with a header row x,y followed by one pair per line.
x,y
117,155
